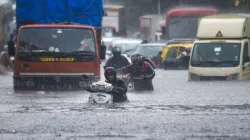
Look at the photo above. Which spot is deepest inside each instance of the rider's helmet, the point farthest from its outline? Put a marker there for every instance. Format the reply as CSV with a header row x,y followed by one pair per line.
x,y
116,51
110,71
136,58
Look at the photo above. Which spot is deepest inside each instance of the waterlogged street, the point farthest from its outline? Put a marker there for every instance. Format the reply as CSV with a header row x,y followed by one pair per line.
x,y
177,109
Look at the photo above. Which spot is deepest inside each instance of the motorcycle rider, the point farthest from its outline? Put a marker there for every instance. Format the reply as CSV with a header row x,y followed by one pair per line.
x,y
141,71
117,60
119,88
5,62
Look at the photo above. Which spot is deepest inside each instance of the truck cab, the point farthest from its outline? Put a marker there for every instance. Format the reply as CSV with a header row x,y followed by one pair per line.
x,y
53,51
148,27
114,23
221,51
183,22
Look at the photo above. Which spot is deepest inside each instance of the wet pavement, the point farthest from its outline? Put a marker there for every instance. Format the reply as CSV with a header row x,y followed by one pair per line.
x,y
177,109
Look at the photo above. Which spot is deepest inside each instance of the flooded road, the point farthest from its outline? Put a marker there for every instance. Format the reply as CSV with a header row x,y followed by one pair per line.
x,y
177,109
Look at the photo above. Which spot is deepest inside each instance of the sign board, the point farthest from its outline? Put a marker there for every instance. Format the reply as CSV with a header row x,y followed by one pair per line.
x,y
219,34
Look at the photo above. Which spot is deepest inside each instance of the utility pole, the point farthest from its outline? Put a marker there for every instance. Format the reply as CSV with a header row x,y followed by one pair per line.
x,y
159,10
180,3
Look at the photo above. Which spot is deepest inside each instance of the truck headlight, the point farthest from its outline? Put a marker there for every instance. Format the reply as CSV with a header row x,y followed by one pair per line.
x,y
193,77
233,76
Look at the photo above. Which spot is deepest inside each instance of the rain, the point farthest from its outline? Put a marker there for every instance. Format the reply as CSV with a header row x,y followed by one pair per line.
x,y
217,106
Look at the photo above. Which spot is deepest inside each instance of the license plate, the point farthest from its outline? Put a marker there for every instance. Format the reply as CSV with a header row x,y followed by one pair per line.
x,y
66,59
47,59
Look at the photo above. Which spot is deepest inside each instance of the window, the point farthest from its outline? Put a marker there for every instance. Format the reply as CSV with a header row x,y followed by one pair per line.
x,y
216,54
61,40
245,53
182,27
172,53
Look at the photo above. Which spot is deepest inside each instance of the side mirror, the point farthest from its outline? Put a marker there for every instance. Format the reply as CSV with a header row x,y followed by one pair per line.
x,y
246,59
103,52
11,48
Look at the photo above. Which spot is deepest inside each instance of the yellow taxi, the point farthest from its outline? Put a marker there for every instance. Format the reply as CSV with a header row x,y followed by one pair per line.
x,y
176,54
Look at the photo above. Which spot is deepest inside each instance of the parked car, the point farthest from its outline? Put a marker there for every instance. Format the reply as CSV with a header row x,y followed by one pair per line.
x,y
107,41
151,50
126,44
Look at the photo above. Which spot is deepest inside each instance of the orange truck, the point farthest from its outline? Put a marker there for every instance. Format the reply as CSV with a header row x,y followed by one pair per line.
x,y
56,46
183,22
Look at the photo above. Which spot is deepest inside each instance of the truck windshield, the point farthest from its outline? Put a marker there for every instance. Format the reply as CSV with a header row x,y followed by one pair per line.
x,y
56,40
182,27
216,55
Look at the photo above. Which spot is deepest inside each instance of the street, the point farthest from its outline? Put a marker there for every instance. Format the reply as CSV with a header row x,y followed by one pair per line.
x,y
177,109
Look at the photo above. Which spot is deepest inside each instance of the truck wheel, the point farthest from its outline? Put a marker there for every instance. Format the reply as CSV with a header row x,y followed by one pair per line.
x,y
16,84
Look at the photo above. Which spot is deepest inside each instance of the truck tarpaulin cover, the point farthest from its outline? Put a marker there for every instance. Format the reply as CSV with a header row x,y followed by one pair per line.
x,y
87,12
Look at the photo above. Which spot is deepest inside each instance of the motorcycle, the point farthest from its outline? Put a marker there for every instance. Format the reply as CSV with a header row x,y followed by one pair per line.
x,y
99,94
124,77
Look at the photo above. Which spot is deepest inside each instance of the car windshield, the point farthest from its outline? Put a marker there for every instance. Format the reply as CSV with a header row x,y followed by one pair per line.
x,y
107,32
216,54
148,51
182,27
56,40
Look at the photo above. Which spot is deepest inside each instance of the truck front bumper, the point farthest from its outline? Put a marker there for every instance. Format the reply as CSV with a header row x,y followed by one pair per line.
x,y
51,82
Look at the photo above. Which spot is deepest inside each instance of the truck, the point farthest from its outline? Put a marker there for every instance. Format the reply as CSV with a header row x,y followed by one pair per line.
x,y
160,32
148,27
183,22
6,18
221,50
114,23
57,42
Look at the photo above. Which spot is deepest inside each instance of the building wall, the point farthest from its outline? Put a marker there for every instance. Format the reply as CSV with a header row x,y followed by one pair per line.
x,y
137,8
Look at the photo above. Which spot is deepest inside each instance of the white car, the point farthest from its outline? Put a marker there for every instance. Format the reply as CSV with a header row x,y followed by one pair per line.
x,y
126,44
107,41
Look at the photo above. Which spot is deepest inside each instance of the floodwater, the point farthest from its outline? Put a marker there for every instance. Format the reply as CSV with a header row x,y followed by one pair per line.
x,y
177,109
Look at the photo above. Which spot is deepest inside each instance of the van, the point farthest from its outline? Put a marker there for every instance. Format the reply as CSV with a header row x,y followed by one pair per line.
x,y
221,50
